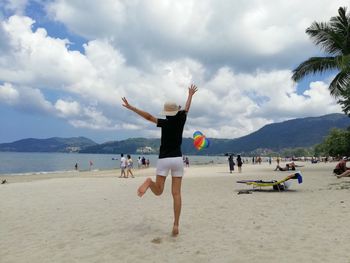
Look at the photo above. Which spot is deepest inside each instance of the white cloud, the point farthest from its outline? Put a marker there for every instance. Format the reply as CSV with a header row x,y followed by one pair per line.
x,y
18,6
38,58
241,34
92,119
175,43
67,108
8,94
25,99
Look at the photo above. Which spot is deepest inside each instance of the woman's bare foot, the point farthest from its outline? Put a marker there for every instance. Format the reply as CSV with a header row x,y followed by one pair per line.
x,y
175,231
143,188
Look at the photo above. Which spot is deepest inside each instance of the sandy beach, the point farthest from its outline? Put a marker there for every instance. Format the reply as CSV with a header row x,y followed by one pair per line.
x,y
97,217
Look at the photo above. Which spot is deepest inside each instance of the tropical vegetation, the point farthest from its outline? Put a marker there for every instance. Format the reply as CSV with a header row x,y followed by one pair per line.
x,y
333,37
337,143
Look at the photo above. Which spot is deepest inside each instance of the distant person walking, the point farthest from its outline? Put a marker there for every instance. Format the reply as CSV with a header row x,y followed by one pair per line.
x,y
258,160
129,166
91,164
143,160
170,155
139,162
76,166
231,163
239,163
278,160
187,162
123,165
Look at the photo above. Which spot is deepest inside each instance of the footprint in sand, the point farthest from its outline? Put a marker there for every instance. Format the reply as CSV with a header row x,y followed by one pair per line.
x,y
156,240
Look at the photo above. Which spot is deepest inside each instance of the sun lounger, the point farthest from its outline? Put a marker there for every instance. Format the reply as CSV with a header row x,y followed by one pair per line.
x,y
277,185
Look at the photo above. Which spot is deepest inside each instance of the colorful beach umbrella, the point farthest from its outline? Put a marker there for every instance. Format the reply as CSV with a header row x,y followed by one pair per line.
x,y
200,141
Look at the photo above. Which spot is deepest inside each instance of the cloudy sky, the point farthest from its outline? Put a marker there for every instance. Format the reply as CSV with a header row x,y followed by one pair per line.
x,y
65,64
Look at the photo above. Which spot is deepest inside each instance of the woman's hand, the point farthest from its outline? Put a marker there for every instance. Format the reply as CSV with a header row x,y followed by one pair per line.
x,y
126,103
142,113
192,89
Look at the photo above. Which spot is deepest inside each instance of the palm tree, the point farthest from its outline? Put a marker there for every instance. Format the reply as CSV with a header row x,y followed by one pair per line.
x,y
334,38
345,102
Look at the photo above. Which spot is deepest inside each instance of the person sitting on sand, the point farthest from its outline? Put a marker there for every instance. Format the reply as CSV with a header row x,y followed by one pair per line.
x,y
170,155
340,168
289,166
279,168
345,174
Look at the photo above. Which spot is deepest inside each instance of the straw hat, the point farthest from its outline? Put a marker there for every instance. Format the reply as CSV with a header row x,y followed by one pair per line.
x,y
170,109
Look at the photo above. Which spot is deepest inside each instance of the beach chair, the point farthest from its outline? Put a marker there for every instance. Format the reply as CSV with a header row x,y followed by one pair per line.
x,y
276,185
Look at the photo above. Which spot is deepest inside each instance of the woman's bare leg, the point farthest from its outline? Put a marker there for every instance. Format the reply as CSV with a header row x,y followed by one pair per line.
x,y
157,187
176,192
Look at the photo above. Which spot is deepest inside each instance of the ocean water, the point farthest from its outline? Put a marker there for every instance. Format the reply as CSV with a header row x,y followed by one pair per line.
x,y
18,163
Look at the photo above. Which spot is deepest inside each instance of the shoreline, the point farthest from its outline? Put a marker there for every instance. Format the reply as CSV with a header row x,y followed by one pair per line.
x,y
143,172
107,173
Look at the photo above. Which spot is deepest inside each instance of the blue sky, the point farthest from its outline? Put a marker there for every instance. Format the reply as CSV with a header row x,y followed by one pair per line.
x,y
64,65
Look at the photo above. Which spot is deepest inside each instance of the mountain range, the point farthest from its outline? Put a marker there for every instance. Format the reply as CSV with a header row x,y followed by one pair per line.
x,y
302,132
54,144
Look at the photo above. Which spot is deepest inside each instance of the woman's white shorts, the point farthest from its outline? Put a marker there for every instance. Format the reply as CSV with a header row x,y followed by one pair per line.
x,y
174,164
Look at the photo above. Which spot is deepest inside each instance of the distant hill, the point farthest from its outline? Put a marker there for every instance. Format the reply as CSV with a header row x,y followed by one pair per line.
x,y
54,144
303,132
125,146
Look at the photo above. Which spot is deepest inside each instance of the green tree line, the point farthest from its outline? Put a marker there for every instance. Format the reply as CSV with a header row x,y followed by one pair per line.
x,y
337,143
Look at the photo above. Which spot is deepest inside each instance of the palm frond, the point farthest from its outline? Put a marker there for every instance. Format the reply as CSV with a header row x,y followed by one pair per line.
x,y
340,84
314,65
341,25
340,22
323,35
333,36
345,101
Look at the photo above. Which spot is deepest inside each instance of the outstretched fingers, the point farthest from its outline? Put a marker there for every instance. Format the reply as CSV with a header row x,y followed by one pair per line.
x,y
125,103
192,89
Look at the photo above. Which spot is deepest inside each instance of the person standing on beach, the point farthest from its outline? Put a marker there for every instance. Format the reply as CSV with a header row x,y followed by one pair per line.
x,y
231,163
143,160
239,163
130,165
139,163
123,164
187,162
170,155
